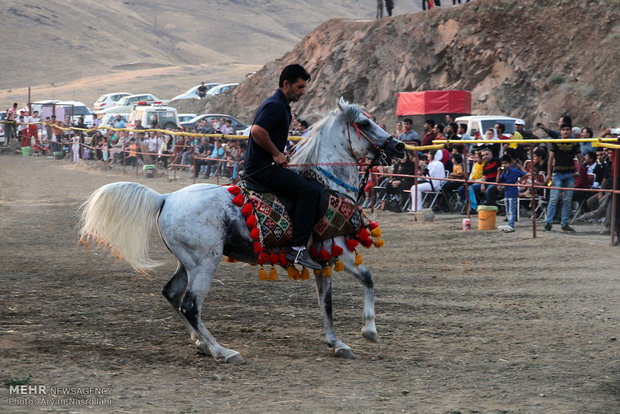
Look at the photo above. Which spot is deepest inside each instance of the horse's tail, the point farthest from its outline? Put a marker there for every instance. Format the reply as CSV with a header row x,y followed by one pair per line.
x,y
121,216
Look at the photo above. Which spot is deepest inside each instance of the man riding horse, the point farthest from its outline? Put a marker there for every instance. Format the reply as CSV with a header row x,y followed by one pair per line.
x,y
265,161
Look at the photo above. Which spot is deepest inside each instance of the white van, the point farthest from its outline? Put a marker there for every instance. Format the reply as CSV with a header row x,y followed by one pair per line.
x,y
478,124
61,109
166,115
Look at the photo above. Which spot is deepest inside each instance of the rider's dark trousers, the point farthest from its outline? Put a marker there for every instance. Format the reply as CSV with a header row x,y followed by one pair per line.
x,y
289,184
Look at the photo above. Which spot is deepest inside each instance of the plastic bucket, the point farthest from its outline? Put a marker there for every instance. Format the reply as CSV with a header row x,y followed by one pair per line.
x,y
149,171
25,151
59,155
486,217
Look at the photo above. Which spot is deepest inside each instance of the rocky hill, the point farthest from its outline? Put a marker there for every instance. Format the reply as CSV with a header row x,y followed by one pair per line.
x,y
531,59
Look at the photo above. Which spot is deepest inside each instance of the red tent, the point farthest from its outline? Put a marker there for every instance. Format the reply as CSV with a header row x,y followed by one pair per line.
x,y
433,102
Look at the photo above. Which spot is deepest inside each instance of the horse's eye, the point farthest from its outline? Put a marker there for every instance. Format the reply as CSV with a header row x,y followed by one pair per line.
x,y
364,124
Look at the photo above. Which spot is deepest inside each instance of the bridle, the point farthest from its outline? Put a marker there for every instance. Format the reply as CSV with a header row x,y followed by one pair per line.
x,y
381,156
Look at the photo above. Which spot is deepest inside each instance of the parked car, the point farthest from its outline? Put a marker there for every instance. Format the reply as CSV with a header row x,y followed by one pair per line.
x,y
235,123
192,93
166,115
108,100
226,87
73,109
126,103
478,124
186,117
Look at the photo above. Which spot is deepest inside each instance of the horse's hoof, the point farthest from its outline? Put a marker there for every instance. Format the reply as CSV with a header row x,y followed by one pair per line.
x,y
344,353
370,336
236,359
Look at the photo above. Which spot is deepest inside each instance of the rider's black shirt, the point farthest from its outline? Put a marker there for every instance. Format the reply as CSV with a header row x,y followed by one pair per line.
x,y
274,115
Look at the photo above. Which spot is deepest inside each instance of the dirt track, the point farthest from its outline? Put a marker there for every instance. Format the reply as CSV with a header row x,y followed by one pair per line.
x,y
469,321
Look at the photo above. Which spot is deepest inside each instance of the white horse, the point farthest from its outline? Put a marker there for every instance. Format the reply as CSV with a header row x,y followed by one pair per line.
x,y
200,224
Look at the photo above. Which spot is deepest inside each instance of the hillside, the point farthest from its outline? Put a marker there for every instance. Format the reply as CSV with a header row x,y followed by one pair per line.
x,y
530,59
157,46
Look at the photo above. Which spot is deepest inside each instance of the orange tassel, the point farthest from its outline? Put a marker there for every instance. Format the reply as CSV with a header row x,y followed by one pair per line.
x,y
305,274
379,243
273,274
262,274
296,274
327,271
338,266
358,259
376,232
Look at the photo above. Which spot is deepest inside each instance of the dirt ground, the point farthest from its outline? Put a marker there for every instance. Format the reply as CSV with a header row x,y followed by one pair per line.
x,y
477,321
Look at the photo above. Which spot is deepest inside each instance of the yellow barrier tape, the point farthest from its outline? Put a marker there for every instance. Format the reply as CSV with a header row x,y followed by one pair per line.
x,y
423,147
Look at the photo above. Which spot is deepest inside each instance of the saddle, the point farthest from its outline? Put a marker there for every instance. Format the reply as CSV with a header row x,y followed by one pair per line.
x,y
337,215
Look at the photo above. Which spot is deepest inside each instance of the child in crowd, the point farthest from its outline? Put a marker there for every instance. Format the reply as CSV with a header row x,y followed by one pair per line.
x,y
133,150
105,146
75,147
509,174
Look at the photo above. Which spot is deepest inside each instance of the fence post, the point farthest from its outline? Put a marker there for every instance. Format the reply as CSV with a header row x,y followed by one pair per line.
x,y
614,196
533,191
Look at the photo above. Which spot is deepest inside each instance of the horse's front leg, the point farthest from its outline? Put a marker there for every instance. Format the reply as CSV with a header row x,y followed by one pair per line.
x,y
324,291
369,331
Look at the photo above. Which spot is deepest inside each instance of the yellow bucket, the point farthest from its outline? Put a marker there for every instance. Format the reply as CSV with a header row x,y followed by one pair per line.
x,y
486,217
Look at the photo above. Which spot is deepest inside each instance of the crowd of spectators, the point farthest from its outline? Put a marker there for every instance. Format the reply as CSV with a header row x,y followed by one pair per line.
x,y
488,165
494,163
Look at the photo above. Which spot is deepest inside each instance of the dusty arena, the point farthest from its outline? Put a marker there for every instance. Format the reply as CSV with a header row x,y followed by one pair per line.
x,y
477,321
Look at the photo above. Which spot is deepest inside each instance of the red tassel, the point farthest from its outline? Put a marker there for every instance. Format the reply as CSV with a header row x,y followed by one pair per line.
x,y
274,258
263,258
373,225
325,255
352,244
251,221
238,200
258,247
367,243
254,234
247,210
363,234
336,250
283,259
234,190
314,253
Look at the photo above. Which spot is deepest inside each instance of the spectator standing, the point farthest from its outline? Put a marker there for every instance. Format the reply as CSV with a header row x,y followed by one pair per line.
x,y
586,147
133,152
75,148
389,6
379,9
409,136
563,166
509,174
462,133
10,123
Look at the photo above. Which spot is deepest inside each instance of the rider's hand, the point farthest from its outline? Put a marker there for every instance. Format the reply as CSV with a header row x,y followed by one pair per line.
x,y
281,159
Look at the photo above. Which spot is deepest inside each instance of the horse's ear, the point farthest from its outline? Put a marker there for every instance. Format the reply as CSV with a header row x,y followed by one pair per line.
x,y
341,104
349,112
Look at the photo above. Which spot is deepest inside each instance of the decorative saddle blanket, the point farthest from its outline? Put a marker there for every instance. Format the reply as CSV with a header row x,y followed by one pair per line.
x,y
342,217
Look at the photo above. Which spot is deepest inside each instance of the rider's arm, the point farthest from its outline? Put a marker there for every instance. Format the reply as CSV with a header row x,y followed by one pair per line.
x,y
261,137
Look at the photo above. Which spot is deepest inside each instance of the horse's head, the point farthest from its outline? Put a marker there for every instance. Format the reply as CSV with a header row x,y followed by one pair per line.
x,y
366,138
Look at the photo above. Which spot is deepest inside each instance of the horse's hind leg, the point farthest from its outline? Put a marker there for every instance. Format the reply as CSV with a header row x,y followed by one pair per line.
x,y
186,292
324,291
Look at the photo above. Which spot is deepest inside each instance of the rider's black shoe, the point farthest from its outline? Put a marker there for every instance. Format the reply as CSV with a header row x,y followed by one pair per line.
x,y
303,258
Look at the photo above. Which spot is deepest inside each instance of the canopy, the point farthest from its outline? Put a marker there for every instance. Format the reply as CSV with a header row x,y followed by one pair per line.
x,y
433,102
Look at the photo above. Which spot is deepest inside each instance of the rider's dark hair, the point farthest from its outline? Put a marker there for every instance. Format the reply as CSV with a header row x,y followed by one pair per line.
x,y
292,73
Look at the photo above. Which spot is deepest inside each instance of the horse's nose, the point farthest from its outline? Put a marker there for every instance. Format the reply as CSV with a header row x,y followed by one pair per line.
x,y
395,148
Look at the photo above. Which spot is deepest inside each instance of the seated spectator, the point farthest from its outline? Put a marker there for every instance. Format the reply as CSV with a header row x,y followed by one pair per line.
x,y
509,174
435,171
475,175
586,147
396,186
429,132
585,177
489,175
464,136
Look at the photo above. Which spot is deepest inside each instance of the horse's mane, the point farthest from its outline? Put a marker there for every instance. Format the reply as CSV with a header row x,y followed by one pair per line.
x,y
308,147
